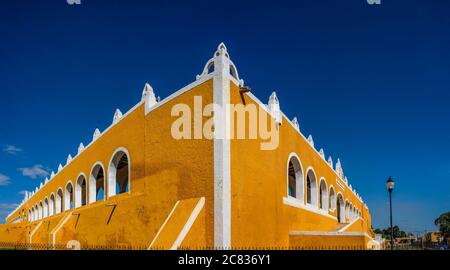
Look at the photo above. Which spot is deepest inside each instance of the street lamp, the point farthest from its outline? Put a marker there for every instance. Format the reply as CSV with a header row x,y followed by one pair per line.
x,y
390,186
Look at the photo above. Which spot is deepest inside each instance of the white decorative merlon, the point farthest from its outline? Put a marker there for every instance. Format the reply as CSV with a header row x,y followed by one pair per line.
x,y
345,179
322,153
41,185
330,161
52,175
295,123
26,195
36,190
117,116
96,134
60,167
69,159
46,180
274,107
339,170
80,148
148,97
311,140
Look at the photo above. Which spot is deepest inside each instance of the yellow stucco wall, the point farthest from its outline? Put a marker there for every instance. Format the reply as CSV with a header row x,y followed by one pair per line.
x,y
259,185
163,171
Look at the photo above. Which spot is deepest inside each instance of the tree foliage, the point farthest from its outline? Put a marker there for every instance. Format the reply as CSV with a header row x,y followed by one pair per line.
x,y
386,233
443,222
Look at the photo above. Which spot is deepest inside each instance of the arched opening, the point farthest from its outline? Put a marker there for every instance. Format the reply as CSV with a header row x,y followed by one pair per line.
x,y
295,178
347,211
40,209
32,214
323,195
340,209
29,214
332,204
119,173
51,206
36,213
97,184
45,208
80,192
59,201
311,188
68,197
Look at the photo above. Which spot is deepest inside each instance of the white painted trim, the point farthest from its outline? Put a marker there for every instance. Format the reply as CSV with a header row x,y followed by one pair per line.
x,y
329,233
58,227
348,225
181,91
189,223
298,204
222,152
163,225
34,231
332,209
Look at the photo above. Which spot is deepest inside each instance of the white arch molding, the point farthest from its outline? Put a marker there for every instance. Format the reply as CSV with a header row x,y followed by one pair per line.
x,y
312,196
80,194
113,173
59,201
340,206
68,196
299,179
51,205
323,194
93,188
45,207
332,195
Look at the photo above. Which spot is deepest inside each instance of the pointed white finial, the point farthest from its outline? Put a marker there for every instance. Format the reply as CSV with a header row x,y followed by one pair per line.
x,y
295,123
80,148
346,181
60,167
274,107
41,185
148,96
52,175
96,134
117,116
310,140
69,159
221,49
46,180
26,195
339,170
330,161
36,190
322,153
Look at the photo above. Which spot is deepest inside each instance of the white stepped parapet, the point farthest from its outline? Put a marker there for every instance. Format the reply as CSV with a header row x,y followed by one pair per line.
x,y
80,148
311,140
69,159
330,161
117,116
96,134
60,167
322,153
148,97
46,180
41,185
274,107
52,175
296,124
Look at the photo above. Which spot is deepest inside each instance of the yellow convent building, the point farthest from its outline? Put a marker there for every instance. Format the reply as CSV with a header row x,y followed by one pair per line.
x,y
136,185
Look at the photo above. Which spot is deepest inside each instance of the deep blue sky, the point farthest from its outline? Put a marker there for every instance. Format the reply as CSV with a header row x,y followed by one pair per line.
x,y
371,83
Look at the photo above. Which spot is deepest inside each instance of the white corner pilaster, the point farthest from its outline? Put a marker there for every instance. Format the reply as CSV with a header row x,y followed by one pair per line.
x,y
222,178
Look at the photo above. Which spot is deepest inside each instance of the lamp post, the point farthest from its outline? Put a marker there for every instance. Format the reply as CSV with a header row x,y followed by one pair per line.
x,y
390,186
